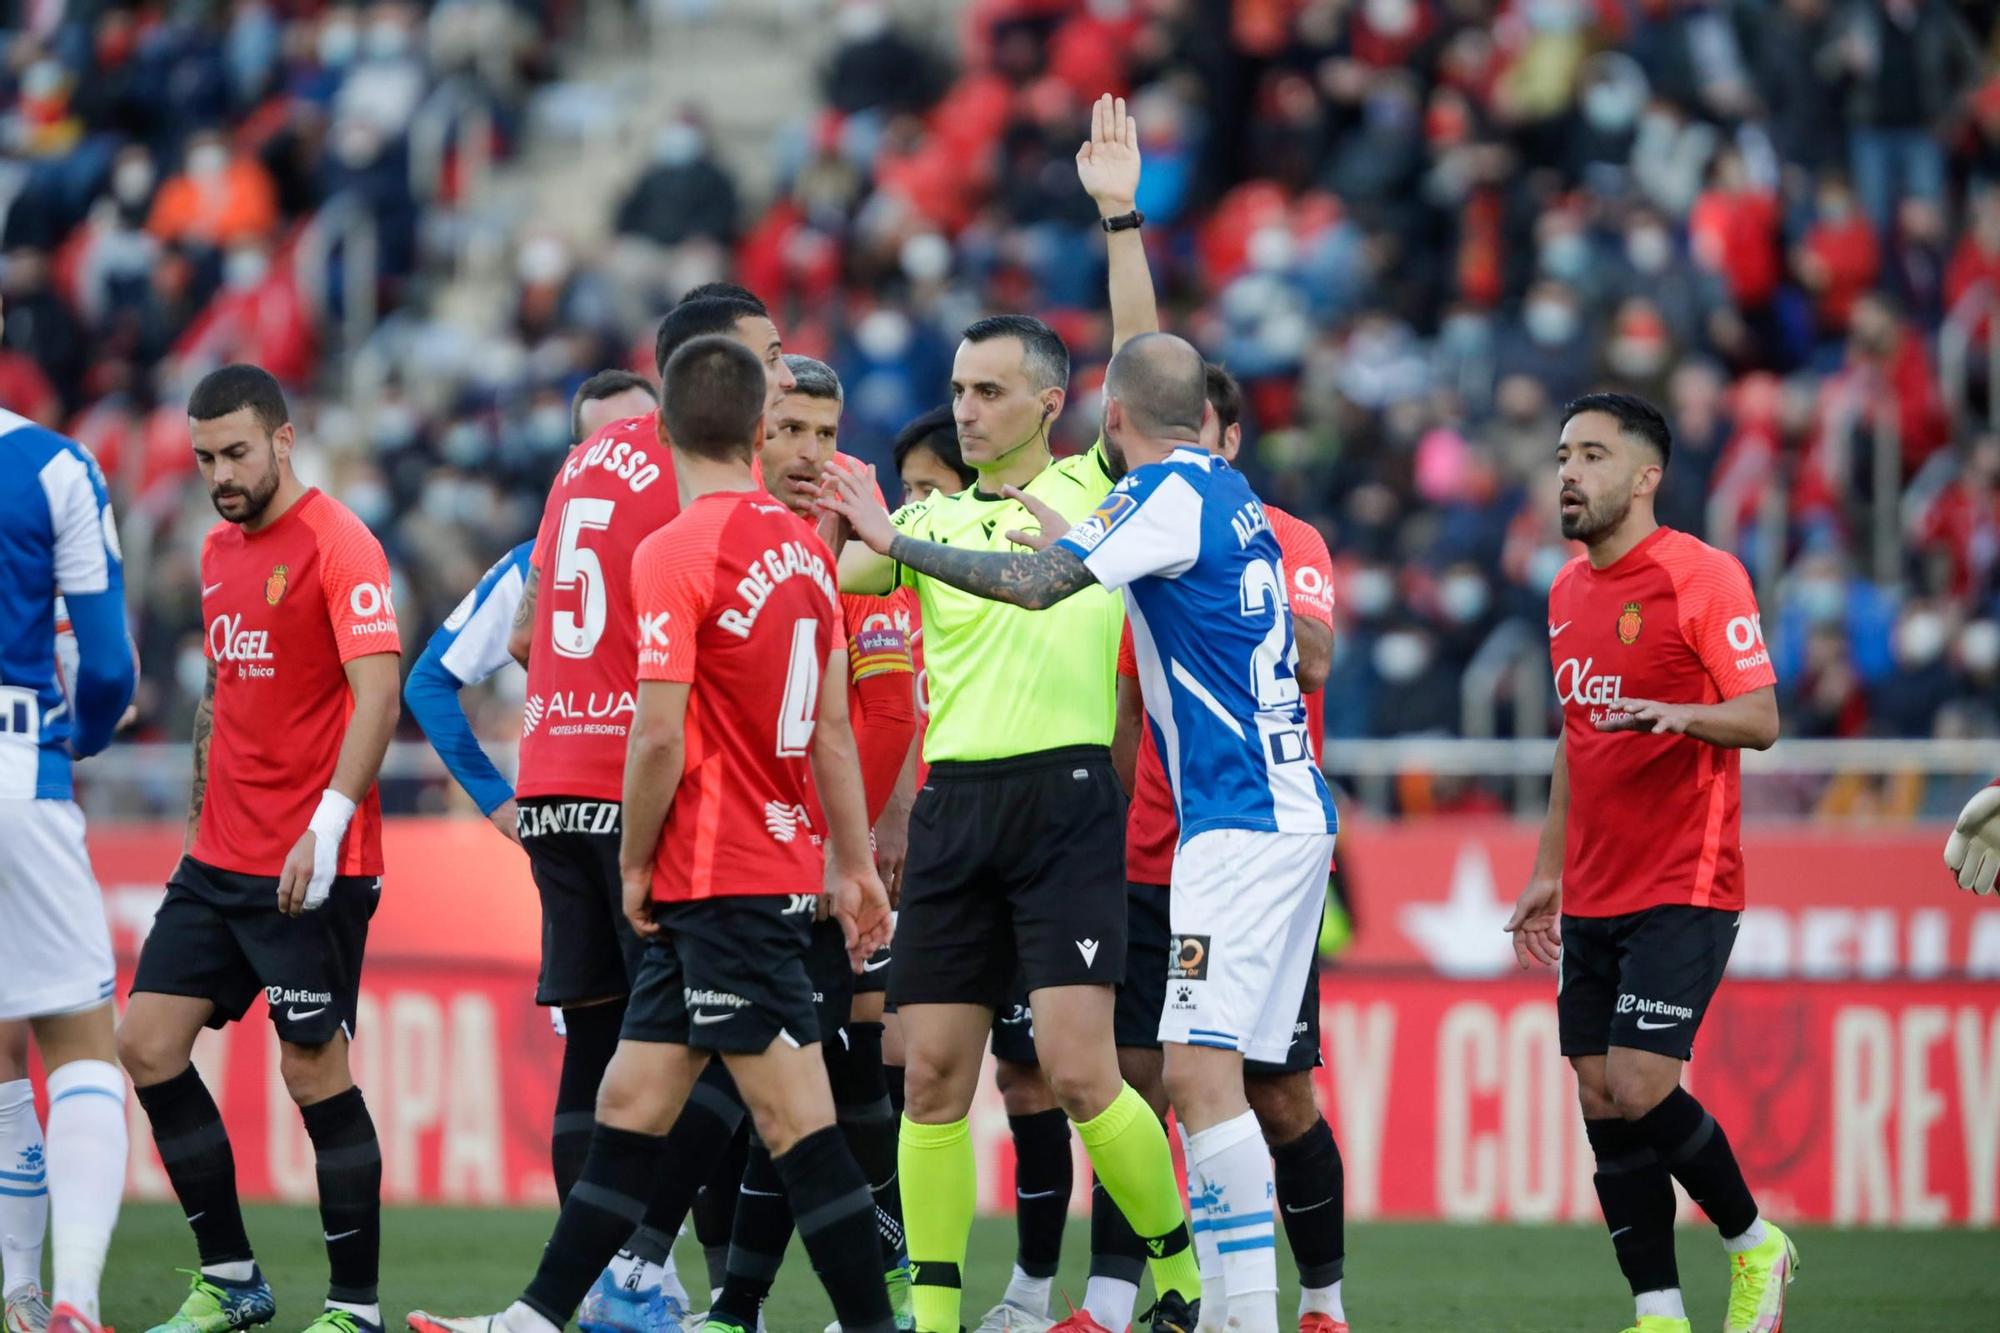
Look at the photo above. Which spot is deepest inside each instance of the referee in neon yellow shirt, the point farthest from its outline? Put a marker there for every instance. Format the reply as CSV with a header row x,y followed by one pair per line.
x,y
1017,856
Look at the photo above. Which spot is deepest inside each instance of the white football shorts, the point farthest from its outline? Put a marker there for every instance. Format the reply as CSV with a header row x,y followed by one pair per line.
x,y
1245,909
55,949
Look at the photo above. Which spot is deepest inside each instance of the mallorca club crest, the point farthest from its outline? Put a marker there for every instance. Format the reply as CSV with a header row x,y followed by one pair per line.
x,y
1630,622
274,586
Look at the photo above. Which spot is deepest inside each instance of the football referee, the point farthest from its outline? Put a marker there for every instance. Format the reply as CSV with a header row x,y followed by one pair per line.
x,y
1017,838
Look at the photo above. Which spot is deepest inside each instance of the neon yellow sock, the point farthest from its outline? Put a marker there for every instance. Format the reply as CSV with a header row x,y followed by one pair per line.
x,y
941,1184
1128,1150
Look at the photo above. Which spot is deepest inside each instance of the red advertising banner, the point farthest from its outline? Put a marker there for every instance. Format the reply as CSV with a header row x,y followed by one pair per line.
x,y
1854,1055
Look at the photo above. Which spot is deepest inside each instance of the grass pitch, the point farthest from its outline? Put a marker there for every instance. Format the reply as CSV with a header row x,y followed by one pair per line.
x,y
1402,1277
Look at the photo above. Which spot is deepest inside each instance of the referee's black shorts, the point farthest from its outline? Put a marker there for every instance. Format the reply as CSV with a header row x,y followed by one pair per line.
x,y
1016,867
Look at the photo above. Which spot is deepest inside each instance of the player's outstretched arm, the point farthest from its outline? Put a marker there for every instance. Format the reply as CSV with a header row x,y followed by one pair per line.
x,y
204,731
1131,716
1536,924
309,869
1747,722
1973,850
1108,166
860,903
655,759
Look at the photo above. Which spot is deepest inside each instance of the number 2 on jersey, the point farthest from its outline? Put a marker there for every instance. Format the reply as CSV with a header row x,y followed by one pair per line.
x,y
1274,665
800,708
578,564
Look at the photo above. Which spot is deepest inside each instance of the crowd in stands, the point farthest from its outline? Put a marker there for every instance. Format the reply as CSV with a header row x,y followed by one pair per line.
x,y
1413,228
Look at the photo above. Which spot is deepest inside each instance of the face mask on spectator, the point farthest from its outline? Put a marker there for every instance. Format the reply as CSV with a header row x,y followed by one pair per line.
x,y
1402,656
1566,255
387,39
339,41
548,426
245,267
1920,639
396,426
1552,15
132,180
1391,18
207,161
1550,322
1544,565
1979,647
1271,250
1649,248
883,335
926,257
861,21
1637,356
463,446
1463,598
1612,106
678,144
542,261
1370,592
369,499
1822,599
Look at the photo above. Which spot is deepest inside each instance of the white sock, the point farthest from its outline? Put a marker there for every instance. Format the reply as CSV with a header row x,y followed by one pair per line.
x,y
1214,1296
1664,1304
1322,1300
1234,1171
1749,1240
87,1143
520,1317
372,1313
1110,1300
1030,1293
24,1191
236,1270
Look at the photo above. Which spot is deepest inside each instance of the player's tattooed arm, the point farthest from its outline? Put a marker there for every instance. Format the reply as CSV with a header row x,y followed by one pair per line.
x,y
204,728
523,635
1035,579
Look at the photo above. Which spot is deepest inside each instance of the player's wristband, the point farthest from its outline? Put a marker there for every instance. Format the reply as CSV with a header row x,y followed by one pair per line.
x,y
1131,221
329,822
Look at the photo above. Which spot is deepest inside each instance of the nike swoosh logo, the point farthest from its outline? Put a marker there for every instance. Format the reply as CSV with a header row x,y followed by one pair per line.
x,y
875,967
1035,1194
1294,1212
341,1236
703,1020
209,589
1619,1232
1557,629
761,1194
294,1015
197,1217
1644,1026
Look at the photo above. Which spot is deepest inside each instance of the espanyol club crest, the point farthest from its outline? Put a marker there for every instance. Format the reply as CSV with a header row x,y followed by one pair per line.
x,y
1630,622
274,586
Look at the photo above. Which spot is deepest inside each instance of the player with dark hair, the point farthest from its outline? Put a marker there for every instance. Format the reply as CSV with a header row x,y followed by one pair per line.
x,y
1016,865
928,458
719,866
283,860
802,441
608,396
66,676
1663,677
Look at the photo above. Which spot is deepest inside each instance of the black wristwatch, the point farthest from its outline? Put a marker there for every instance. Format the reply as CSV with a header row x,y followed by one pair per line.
x,y
1125,221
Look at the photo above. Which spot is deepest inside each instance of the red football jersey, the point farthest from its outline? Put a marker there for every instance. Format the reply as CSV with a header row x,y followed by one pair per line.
x,y
1653,819
285,608
878,633
614,491
739,597
1151,829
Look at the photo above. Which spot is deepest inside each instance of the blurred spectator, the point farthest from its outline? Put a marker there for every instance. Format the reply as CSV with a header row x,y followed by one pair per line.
x,y
1907,64
220,197
1838,259
685,194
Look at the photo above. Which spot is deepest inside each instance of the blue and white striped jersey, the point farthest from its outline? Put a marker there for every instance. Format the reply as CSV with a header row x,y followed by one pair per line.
x,y
1204,586
470,646
58,539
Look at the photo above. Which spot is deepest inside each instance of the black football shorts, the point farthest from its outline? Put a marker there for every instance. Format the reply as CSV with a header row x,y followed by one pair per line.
x,y
1641,980
727,975
589,950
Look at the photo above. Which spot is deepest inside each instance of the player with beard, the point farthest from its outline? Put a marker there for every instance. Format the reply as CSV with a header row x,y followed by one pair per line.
x,y
1637,890
283,860
802,442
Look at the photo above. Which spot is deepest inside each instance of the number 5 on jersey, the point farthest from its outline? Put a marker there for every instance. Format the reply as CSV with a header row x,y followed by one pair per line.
x,y
578,564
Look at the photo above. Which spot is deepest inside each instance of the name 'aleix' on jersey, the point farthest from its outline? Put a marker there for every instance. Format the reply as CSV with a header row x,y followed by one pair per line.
x,y
617,457
1247,522
248,649
765,574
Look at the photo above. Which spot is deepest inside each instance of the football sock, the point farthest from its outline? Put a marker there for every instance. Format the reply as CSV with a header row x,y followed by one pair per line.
x,y
194,1149
24,1194
1128,1150
1697,1152
868,1122
937,1216
1044,1177
86,1169
591,1039
893,1076
1117,1260
348,1161
606,1203
701,1134
1214,1296
1661,1304
1110,1300
834,1208
1311,1193
757,1243
647,1264
1637,1196
715,1205
1749,1240
1229,1168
